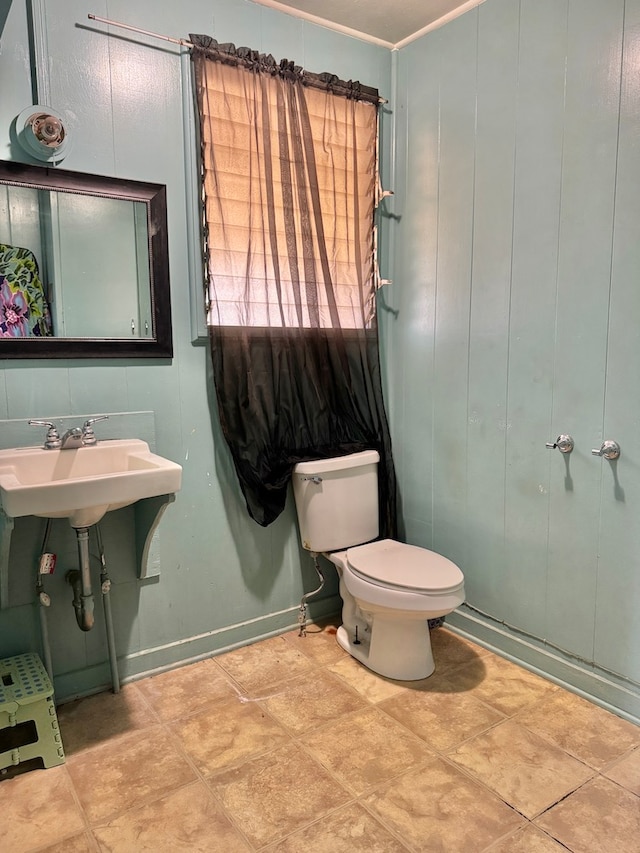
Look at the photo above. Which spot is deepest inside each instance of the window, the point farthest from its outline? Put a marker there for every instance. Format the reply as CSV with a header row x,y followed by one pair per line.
x,y
290,182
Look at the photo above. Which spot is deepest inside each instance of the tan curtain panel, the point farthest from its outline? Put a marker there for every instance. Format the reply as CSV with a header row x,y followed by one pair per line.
x,y
289,183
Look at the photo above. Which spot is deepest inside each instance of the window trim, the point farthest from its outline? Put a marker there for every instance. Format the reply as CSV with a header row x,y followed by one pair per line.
x,y
195,265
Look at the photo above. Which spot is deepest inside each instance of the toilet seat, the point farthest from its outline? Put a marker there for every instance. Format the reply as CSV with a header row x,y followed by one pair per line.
x,y
396,565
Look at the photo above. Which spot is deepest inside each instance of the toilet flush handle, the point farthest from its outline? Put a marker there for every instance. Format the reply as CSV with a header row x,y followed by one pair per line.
x,y
564,443
315,479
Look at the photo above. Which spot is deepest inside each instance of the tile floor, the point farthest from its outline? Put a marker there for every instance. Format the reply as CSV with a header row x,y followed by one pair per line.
x,y
289,744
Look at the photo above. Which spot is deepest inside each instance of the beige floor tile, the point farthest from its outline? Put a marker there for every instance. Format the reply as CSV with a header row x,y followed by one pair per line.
x,y
600,816
592,734
277,794
349,830
527,840
82,843
627,772
287,734
528,772
320,644
365,749
437,809
144,766
230,731
442,720
38,808
307,702
188,820
261,665
451,650
368,684
99,719
186,690
454,680
505,686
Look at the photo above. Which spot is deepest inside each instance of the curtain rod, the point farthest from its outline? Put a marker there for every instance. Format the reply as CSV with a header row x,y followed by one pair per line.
x,y
183,42
138,30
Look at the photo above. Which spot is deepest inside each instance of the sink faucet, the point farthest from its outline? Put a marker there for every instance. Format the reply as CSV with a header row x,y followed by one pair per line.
x,y
73,438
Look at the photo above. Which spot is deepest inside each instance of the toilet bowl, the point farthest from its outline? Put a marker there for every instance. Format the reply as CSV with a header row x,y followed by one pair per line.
x,y
390,590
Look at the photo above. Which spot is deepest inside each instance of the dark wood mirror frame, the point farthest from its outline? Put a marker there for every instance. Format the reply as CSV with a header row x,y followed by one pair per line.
x,y
160,344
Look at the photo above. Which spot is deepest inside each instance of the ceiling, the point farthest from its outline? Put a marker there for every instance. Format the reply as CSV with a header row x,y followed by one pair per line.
x,y
388,22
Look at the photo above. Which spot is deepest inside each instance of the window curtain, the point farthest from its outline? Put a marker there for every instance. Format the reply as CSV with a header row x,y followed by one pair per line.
x,y
289,188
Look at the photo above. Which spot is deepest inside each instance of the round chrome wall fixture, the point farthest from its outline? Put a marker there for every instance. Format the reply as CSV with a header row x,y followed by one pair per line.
x,y
42,134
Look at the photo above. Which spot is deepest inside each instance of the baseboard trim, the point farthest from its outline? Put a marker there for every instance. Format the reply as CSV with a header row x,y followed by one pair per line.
x,y
152,661
619,697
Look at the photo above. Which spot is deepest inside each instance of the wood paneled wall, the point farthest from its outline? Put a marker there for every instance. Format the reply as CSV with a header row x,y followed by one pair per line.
x,y
517,272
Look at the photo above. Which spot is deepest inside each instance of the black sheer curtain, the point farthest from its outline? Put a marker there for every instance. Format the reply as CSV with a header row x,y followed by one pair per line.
x,y
289,187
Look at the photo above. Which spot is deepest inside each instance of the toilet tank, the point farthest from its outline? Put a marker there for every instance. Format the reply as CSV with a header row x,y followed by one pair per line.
x,y
337,501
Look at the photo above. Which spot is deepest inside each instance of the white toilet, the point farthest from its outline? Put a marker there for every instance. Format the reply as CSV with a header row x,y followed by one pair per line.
x,y
389,590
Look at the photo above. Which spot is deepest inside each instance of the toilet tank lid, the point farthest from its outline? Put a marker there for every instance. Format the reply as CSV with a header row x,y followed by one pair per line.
x,y
337,463
403,566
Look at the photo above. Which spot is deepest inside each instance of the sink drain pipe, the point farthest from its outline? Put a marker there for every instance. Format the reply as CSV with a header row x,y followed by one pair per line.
x,y
80,581
83,600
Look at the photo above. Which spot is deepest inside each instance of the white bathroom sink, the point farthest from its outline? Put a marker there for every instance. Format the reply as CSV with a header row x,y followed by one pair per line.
x,y
84,483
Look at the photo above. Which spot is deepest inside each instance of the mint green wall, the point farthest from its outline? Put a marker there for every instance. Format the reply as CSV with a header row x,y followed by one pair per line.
x,y
514,258
223,579
517,258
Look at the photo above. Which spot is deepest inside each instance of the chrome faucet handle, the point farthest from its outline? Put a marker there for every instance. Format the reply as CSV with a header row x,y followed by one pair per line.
x,y
609,449
564,443
52,440
88,435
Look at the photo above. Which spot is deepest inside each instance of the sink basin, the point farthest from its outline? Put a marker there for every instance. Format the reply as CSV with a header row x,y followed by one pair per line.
x,y
85,483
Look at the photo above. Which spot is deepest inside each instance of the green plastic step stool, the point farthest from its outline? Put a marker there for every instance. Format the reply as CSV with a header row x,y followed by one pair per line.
x,y
28,722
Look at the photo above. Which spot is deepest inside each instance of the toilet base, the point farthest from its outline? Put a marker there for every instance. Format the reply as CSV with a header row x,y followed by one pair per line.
x,y
398,649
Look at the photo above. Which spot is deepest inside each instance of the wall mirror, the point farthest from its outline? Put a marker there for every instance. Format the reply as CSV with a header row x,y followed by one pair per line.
x,y
84,265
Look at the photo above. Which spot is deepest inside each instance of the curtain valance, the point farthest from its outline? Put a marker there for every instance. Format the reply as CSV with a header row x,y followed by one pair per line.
x,y
265,62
